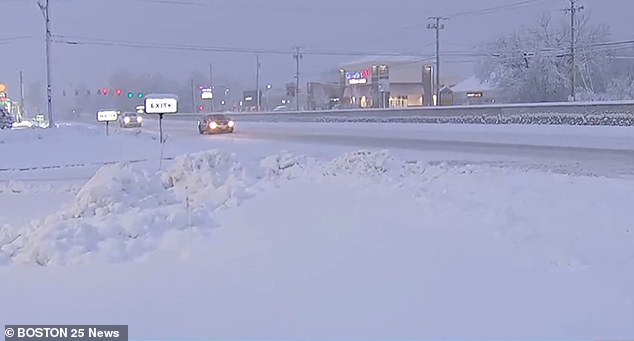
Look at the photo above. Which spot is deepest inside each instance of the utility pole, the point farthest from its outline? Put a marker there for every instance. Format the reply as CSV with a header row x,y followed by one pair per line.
x,y
257,82
44,7
21,96
437,25
572,10
298,56
211,85
193,96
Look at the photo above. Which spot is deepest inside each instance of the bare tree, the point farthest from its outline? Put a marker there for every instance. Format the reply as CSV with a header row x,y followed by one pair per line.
x,y
534,63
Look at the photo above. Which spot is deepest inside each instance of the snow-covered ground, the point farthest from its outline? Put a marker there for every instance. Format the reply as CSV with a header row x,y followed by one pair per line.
x,y
236,237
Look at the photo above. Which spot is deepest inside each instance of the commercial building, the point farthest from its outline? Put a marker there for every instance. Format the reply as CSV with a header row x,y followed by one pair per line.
x,y
473,91
381,82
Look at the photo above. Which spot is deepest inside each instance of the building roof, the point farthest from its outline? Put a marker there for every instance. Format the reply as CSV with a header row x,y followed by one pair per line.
x,y
472,84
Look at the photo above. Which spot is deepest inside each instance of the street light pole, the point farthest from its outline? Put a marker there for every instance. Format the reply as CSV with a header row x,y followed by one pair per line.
x,y
211,86
44,7
298,56
268,104
22,107
257,82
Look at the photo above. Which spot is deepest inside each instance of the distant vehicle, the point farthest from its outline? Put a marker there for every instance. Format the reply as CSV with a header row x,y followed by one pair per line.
x,y
281,108
130,120
215,124
6,119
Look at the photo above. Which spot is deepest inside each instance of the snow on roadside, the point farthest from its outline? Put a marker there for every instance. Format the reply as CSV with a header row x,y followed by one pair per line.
x,y
553,220
31,148
361,167
26,187
123,214
208,178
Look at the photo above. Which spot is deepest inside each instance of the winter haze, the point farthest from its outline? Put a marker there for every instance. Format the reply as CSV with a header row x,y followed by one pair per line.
x,y
342,27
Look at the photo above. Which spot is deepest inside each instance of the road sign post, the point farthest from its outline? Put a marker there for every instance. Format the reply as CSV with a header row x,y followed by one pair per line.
x,y
107,116
161,104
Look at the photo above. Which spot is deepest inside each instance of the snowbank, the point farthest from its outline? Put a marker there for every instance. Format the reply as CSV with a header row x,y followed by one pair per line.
x,y
611,119
552,219
208,178
122,214
364,167
368,245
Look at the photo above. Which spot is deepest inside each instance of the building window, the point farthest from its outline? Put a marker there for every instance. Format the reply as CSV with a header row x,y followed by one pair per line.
x,y
398,101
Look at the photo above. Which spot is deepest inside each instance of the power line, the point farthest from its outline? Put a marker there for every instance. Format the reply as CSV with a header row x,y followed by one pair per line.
x,y
494,9
554,51
74,40
15,38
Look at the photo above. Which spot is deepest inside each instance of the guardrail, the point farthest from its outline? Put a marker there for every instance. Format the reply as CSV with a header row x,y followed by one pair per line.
x,y
618,113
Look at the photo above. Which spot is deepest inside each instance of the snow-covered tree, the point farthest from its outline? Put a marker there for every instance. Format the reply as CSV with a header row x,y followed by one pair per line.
x,y
533,64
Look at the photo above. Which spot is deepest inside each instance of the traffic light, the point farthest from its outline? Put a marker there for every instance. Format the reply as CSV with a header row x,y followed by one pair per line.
x,y
130,95
140,95
201,108
119,92
104,91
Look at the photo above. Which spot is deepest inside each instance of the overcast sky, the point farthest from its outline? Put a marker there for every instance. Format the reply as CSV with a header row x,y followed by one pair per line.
x,y
341,26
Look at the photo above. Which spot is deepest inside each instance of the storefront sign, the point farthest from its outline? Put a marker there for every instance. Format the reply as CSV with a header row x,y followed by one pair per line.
x,y
358,77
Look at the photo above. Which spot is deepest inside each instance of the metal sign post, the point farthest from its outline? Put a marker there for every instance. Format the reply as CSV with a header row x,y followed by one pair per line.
x,y
161,128
161,104
107,116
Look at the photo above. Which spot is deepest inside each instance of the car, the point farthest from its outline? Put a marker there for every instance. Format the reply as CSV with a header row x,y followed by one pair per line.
x,y
215,124
130,120
281,108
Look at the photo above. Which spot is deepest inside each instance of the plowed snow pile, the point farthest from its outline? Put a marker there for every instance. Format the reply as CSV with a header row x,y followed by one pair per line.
x,y
123,213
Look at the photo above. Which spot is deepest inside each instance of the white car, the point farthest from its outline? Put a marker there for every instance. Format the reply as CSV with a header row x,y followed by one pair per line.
x,y
130,120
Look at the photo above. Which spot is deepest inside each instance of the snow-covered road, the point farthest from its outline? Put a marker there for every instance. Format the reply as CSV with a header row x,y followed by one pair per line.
x,y
607,151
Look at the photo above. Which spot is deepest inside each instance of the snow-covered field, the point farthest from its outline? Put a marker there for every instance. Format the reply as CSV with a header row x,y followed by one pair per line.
x,y
243,238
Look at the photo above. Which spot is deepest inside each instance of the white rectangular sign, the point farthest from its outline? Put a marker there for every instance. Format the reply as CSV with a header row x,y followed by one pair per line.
x,y
107,116
207,94
156,104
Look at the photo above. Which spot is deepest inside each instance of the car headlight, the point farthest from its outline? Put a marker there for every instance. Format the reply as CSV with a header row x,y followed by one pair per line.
x,y
213,125
126,120
231,124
